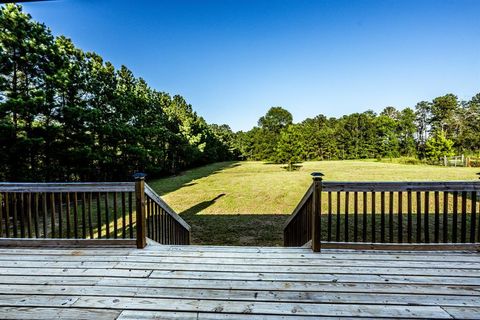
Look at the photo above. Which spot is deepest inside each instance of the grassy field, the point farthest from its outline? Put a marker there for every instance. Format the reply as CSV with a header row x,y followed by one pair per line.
x,y
246,203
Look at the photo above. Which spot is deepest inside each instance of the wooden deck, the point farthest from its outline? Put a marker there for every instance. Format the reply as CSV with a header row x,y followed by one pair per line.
x,y
206,282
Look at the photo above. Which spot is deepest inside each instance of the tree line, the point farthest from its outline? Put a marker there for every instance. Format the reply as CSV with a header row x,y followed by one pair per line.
x,y
68,115
432,129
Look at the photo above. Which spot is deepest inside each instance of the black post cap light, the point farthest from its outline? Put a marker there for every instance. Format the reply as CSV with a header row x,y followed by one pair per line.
x,y
317,175
139,175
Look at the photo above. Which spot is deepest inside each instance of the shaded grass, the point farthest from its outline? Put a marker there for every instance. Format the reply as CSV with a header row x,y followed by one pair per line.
x,y
246,203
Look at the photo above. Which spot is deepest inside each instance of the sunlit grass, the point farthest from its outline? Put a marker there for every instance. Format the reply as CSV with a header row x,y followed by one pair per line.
x,y
246,203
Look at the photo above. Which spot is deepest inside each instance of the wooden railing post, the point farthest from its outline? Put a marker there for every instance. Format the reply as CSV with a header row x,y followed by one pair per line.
x,y
140,208
316,211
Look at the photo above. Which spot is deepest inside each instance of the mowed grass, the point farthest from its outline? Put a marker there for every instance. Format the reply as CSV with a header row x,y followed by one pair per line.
x,y
246,203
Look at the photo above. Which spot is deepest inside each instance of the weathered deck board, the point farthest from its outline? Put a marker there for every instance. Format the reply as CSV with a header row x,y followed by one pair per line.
x,y
196,282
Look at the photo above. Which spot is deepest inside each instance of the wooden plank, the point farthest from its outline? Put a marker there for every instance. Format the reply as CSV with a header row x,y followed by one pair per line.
x,y
48,313
463,312
113,254
255,289
245,295
163,315
395,281
287,266
262,307
80,255
402,246
77,272
16,187
128,243
41,301
414,186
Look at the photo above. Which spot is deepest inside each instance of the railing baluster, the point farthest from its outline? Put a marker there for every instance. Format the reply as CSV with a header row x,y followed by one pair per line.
x,y
463,236
7,215
36,215
445,224
115,211
409,217
339,217
124,213
329,222
99,215
68,215
15,216
130,213
390,217
44,213
437,217
52,215
60,215
426,217
90,218
355,216
400,217
75,215
419,217
364,225
22,214
373,217
382,217
84,215
347,196
107,216
455,217
2,209
473,219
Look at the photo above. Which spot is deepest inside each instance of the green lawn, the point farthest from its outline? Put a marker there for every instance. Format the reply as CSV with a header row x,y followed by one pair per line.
x,y
246,203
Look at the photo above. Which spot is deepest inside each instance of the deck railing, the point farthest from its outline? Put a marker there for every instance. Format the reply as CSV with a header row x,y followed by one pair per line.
x,y
386,212
100,211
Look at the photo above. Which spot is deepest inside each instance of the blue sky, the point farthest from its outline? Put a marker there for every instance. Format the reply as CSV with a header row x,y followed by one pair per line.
x,y
232,60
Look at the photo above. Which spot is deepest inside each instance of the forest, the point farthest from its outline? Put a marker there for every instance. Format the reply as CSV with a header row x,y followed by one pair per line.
x,y
69,115
445,126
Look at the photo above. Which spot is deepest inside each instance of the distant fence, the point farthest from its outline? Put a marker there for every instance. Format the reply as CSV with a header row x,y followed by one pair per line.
x,y
96,211
386,212
460,161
